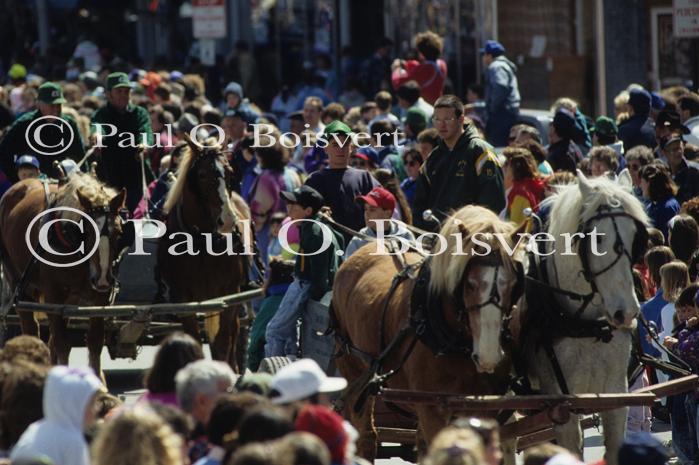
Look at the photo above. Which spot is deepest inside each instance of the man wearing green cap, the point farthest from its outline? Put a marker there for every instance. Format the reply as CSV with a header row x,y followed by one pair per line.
x,y
53,138
605,133
119,128
339,183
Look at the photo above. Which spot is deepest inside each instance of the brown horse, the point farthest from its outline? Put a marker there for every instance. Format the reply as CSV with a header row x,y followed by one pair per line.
x,y
201,256
473,296
70,238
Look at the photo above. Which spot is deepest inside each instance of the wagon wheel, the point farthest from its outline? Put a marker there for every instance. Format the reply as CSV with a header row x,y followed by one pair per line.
x,y
272,365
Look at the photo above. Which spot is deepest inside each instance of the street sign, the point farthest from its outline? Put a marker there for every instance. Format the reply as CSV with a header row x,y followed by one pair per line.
x,y
685,14
209,19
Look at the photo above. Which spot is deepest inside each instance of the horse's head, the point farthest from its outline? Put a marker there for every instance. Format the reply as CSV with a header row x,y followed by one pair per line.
x,y
107,213
614,238
483,280
210,178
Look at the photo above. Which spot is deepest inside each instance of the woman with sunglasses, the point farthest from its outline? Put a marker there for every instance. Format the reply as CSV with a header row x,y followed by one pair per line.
x,y
659,191
637,158
412,160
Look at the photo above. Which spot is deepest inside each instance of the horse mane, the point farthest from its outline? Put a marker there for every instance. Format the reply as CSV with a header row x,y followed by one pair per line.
x,y
447,269
175,193
98,193
568,209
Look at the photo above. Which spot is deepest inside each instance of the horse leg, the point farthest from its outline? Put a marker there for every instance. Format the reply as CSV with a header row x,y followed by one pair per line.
x,y
59,342
28,323
614,424
95,342
190,325
569,435
221,348
431,421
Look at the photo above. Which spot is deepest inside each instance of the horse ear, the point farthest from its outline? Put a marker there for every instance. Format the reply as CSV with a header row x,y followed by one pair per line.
x,y
195,148
83,199
625,180
117,202
585,187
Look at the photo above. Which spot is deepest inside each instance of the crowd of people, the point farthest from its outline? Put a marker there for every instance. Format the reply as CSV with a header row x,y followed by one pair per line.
x,y
407,155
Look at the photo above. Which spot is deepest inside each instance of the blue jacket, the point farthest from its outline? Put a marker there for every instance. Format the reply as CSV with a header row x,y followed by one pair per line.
x,y
651,311
661,212
637,130
502,90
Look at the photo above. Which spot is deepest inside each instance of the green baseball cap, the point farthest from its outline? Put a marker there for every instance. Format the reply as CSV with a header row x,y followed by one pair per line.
x,y
51,93
337,127
115,80
606,126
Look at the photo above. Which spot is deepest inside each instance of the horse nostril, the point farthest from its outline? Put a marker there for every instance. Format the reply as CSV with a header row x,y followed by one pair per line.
x,y
619,316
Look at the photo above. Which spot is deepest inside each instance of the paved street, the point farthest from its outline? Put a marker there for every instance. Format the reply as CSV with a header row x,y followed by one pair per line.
x,y
125,378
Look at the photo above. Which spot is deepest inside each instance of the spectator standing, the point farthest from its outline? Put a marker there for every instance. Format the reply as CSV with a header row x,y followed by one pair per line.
x,y
563,153
659,192
688,106
430,71
685,173
462,170
501,93
638,129
605,134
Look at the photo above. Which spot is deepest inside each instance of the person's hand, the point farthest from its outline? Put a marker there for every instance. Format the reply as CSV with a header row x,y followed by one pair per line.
x,y
669,342
692,322
397,63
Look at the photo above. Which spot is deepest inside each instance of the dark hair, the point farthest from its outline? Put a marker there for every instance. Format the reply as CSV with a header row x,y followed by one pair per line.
x,y
605,155
25,347
228,412
180,423
521,162
366,106
334,111
390,182
655,258
643,154
691,152
412,152
689,102
105,403
535,148
409,91
21,403
175,352
272,158
606,139
660,184
691,208
638,285
429,44
383,100
301,448
429,136
655,238
450,101
382,126
683,234
686,298
693,267
162,91
212,116
264,423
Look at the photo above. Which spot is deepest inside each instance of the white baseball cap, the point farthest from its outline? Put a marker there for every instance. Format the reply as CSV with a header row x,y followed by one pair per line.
x,y
301,379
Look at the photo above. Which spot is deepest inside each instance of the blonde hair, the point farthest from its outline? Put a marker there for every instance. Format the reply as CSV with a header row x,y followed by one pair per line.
x,y
674,277
456,446
137,436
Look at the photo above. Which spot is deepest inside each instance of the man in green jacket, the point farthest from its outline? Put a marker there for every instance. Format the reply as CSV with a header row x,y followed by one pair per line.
x,y
316,263
53,138
119,128
463,169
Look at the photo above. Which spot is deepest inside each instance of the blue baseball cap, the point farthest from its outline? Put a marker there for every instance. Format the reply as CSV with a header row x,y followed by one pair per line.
x,y
656,101
27,160
492,47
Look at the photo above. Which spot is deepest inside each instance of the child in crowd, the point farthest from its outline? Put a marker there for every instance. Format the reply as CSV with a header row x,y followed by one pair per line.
x,y
27,167
313,273
69,400
412,160
526,184
378,208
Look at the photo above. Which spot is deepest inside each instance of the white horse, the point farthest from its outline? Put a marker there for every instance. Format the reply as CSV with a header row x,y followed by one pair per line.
x,y
591,291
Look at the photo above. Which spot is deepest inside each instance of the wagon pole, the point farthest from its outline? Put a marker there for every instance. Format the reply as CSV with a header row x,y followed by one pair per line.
x,y
211,305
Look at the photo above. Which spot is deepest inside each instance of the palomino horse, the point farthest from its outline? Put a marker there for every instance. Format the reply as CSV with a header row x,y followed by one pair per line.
x,y
200,257
70,238
580,302
471,300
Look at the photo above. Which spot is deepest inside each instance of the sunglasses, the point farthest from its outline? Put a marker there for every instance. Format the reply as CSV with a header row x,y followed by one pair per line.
x,y
412,163
358,163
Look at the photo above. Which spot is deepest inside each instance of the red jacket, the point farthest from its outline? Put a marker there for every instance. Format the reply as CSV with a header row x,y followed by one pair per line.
x,y
531,189
429,74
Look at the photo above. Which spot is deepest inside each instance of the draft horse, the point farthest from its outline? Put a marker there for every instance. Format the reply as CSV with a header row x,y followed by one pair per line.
x,y
579,307
57,277
201,256
453,315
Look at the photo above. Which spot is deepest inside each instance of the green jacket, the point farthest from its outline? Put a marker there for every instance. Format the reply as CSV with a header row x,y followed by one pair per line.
x,y
450,179
119,166
14,143
320,268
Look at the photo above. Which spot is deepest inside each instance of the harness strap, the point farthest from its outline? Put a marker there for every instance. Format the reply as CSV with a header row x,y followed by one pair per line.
x,y
557,371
